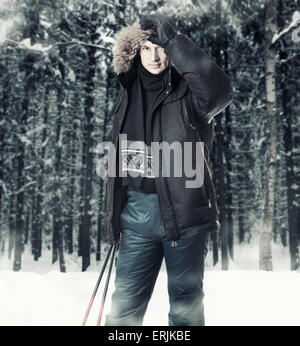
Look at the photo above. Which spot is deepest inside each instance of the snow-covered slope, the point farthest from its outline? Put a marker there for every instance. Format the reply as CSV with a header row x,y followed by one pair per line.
x,y
40,295
232,298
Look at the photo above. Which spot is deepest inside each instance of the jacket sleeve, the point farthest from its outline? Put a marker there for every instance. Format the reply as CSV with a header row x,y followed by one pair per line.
x,y
210,87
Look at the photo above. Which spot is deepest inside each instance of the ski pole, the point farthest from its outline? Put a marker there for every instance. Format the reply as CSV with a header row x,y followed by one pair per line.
x,y
106,287
96,287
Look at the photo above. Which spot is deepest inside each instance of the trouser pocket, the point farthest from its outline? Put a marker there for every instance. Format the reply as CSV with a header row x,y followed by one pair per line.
x,y
142,214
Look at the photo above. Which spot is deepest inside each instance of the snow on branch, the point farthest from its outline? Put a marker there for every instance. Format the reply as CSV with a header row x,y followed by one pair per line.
x,y
4,188
294,23
26,44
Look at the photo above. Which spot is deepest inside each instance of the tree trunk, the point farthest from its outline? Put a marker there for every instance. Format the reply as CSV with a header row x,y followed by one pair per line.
x,y
26,228
228,158
288,147
32,215
241,202
88,171
265,251
220,152
40,182
2,144
11,221
57,212
81,194
71,187
20,217
4,116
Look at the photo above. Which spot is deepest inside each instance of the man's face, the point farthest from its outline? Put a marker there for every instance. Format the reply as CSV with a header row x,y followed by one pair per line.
x,y
153,57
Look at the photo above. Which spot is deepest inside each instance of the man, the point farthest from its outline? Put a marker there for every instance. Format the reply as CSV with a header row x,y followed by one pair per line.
x,y
170,92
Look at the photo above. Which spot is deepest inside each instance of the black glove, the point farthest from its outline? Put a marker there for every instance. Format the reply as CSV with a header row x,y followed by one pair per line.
x,y
163,27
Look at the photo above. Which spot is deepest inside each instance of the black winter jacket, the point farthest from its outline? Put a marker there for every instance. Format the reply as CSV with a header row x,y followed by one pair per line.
x,y
197,90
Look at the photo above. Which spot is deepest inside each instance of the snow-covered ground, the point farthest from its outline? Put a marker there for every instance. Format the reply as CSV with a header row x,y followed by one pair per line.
x,y
40,295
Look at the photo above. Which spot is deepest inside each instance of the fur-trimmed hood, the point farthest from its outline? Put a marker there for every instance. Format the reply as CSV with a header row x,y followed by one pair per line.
x,y
126,46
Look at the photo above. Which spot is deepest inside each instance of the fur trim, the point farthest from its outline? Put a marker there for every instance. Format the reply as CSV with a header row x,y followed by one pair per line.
x,y
126,46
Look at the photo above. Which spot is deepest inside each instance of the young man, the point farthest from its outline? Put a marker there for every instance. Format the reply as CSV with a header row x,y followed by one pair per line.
x,y
170,92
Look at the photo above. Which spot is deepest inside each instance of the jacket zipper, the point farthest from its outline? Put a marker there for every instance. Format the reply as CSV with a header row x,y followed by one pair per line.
x,y
155,106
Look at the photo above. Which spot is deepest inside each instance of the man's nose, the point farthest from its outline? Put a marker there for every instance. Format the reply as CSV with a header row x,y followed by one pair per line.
x,y
155,55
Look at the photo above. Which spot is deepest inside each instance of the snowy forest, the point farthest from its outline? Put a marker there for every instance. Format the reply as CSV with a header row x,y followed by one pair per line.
x,y
57,90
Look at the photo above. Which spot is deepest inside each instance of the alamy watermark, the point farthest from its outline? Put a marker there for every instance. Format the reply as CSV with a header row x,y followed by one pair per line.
x,y
159,159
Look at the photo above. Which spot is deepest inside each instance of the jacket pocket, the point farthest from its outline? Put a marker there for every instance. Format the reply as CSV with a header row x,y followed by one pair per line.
x,y
186,118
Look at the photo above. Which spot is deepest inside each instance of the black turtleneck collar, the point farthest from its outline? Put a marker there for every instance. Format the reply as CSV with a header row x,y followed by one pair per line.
x,y
150,81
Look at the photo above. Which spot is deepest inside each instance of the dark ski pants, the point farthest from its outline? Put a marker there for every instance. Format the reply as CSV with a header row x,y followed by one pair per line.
x,y
142,248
